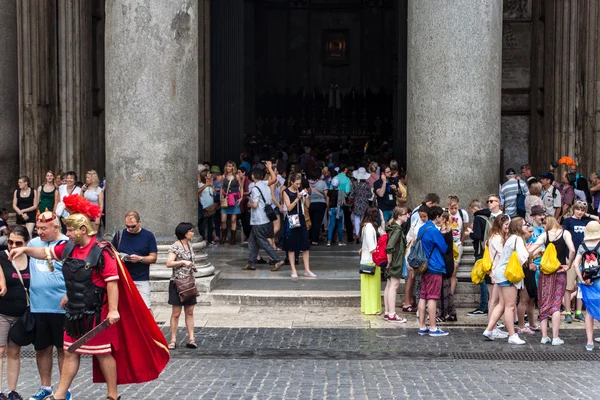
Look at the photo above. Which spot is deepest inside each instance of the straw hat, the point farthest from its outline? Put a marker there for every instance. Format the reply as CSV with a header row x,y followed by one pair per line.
x,y
592,231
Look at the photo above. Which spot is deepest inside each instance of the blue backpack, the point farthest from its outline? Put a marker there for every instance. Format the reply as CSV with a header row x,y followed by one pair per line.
x,y
418,259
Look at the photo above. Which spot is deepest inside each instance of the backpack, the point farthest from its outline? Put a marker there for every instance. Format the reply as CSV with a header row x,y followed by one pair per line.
x,y
520,201
417,259
589,263
486,232
379,255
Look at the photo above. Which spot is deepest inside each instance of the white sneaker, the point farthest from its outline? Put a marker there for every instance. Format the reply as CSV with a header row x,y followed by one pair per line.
x,y
489,334
515,339
501,334
597,340
545,340
557,342
499,325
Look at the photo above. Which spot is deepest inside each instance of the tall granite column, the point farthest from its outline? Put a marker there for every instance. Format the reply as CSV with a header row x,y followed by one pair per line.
x,y
152,113
454,88
9,111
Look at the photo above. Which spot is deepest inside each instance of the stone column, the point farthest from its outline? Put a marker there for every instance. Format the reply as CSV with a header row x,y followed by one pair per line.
x,y
454,89
9,111
152,113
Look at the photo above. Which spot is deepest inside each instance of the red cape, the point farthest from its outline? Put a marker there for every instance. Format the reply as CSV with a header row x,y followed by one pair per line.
x,y
143,351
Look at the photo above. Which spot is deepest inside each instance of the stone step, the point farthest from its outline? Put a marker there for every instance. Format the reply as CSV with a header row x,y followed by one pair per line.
x,y
467,295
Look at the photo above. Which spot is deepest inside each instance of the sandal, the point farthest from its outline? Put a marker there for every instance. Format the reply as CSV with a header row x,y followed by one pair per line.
x,y
172,345
277,266
248,267
409,309
440,319
191,345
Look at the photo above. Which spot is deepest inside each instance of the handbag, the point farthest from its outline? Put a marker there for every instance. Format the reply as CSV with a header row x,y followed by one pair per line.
x,y
224,199
186,288
210,210
294,220
268,209
367,269
22,332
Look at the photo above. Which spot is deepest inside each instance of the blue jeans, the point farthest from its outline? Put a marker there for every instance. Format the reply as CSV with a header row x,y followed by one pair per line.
x,y
333,222
483,299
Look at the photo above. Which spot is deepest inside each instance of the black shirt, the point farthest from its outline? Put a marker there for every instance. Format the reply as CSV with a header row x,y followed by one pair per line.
x,y
14,302
388,201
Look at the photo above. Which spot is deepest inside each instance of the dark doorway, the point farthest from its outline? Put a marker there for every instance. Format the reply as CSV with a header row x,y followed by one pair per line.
x,y
321,70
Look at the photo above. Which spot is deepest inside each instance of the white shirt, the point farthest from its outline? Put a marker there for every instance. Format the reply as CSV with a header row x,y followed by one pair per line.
x,y
509,247
257,215
369,244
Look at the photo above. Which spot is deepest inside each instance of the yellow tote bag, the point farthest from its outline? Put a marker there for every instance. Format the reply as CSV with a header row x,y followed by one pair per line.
x,y
549,263
486,261
477,274
514,270
455,252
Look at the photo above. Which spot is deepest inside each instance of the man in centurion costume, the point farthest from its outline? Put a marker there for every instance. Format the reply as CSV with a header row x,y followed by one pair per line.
x,y
103,301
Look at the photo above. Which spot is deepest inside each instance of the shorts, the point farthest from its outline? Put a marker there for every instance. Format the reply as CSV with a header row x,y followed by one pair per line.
x,y
49,330
571,279
431,286
144,288
505,284
461,250
5,323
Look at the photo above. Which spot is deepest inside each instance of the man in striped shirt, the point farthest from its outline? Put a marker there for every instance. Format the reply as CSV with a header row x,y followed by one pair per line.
x,y
509,192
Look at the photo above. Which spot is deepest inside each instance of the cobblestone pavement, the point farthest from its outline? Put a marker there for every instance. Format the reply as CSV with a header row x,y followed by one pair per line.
x,y
244,363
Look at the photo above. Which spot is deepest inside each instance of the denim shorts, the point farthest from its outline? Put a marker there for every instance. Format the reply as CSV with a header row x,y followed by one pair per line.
x,y
505,284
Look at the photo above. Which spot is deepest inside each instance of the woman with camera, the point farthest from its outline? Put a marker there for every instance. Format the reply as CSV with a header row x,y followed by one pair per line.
x,y
296,234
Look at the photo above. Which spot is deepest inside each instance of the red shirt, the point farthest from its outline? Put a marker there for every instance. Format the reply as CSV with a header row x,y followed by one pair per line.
x,y
109,272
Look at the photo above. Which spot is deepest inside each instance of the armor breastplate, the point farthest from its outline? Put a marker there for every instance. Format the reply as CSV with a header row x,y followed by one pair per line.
x,y
84,299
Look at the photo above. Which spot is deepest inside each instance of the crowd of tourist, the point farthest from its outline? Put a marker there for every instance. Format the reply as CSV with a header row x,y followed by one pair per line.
x,y
287,199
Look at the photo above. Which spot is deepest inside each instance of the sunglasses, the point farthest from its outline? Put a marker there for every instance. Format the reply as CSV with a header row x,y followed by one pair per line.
x,y
130,226
491,201
16,244
581,203
528,224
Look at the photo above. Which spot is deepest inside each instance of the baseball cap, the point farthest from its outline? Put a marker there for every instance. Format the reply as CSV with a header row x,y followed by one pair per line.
x,y
510,171
547,175
537,210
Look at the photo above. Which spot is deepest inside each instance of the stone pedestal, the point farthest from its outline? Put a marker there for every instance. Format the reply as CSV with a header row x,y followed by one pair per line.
x,y
454,89
9,111
152,113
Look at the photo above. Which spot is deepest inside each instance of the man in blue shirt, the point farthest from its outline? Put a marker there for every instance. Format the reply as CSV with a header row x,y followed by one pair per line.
x,y
47,289
434,247
137,247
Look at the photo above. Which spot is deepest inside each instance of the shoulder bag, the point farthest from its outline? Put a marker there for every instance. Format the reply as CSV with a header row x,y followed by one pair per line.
x,y
224,203
22,332
268,209
294,219
186,286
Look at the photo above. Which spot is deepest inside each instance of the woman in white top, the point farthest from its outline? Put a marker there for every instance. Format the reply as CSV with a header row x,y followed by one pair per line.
x,y
496,238
370,285
508,291
65,190
94,193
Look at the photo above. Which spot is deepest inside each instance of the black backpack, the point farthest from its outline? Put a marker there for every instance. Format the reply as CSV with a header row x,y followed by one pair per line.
x,y
589,263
